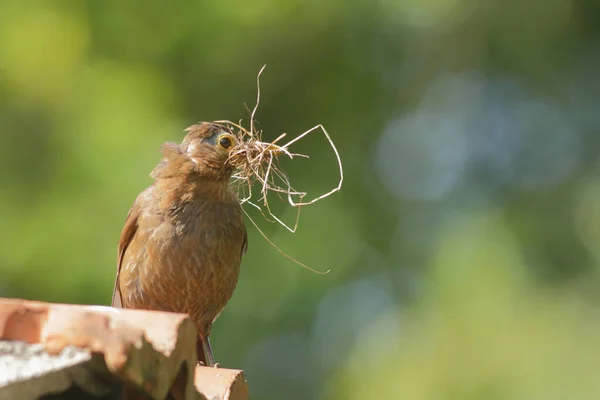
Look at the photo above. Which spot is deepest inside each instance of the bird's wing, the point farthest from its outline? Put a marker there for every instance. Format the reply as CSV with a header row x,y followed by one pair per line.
x,y
245,243
131,226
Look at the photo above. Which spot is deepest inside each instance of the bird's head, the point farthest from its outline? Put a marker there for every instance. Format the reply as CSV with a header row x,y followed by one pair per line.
x,y
204,151
208,145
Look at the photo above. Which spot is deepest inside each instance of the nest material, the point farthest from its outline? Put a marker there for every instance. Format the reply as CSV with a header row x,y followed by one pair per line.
x,y
257,162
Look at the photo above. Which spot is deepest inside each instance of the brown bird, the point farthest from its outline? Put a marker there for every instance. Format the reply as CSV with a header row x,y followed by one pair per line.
x,y
184,237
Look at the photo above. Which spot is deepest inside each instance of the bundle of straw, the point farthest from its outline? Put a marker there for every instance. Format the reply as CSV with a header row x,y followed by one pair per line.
x,y
256,161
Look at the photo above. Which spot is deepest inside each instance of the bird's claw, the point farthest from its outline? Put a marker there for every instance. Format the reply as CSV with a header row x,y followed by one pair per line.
x,y
200,363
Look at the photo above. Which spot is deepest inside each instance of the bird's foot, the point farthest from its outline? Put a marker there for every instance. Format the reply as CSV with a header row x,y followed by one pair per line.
x,y
200,363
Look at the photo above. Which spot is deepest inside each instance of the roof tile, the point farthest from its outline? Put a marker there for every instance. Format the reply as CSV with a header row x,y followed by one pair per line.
x,y
148,350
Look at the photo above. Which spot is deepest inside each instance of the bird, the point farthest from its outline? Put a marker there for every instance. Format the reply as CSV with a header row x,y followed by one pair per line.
x,y
184,237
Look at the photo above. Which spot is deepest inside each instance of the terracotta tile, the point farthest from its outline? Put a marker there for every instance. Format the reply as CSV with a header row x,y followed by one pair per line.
x,y
27,371
152,351
226,384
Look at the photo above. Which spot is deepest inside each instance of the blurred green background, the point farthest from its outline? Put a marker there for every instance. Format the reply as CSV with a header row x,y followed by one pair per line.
x,y
464,245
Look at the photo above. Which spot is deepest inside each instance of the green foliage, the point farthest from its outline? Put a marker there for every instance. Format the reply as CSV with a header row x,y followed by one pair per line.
x,y
481,332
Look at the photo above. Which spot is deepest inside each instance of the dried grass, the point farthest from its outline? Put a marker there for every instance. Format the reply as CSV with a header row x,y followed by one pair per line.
x,y
257,161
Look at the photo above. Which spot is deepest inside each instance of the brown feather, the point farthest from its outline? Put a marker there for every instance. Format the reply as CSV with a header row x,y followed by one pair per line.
x,y
184,237
126,235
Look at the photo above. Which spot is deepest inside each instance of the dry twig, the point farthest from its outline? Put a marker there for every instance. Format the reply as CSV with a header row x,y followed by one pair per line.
x,y
257,161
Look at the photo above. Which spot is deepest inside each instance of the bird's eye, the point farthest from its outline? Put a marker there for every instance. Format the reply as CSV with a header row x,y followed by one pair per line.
x,y
225,141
